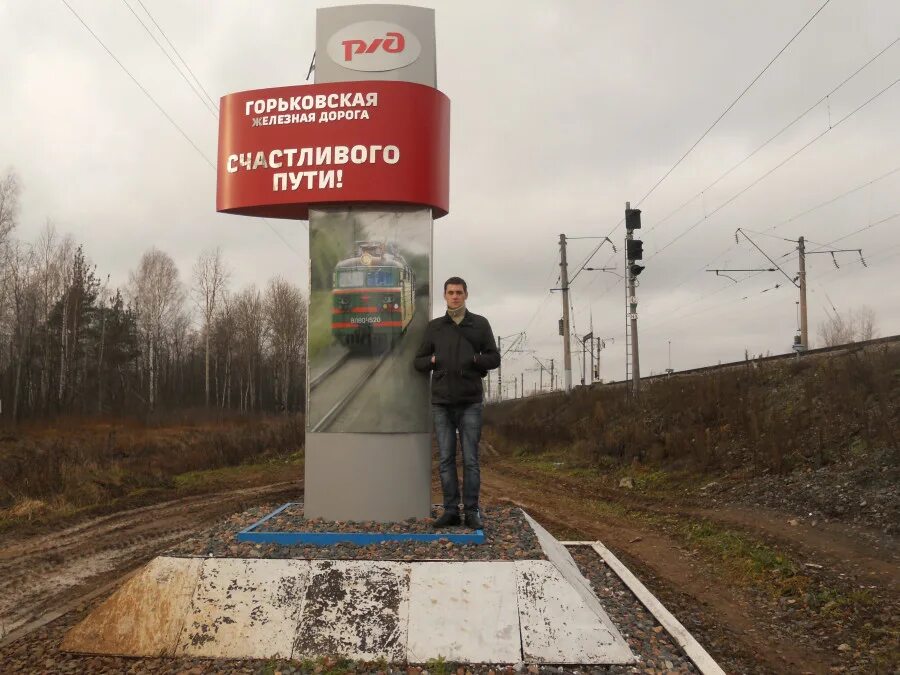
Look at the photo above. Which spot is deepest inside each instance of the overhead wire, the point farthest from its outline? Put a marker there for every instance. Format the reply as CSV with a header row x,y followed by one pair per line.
x,y
140,86
207,106
177,53
791,219
772,138
794,255
166,114
768,173
733,103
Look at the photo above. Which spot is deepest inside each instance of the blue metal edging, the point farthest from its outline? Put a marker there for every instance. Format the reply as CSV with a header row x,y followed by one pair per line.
x,y
250,534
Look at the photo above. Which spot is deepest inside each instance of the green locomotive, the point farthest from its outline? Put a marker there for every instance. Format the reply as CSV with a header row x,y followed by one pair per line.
x,y
373,296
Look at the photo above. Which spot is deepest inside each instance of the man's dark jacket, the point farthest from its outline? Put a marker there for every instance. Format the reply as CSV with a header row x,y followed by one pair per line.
x,y
463,354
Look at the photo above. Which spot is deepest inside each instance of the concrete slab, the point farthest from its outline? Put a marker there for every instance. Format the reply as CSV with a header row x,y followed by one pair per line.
x,y
568,568
557,625
463,611
144,617
245,608
357,609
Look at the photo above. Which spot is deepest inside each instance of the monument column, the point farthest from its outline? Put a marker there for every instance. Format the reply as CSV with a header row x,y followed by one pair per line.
x,y
371,460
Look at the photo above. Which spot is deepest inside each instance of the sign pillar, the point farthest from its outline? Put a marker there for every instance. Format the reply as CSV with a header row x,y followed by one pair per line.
x,y
373,462
363,155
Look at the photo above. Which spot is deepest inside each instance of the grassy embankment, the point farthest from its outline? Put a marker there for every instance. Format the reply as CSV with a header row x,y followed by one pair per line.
x,y
764,417
53,471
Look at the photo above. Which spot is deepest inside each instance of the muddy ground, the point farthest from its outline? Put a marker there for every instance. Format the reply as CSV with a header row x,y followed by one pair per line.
x,y
825,600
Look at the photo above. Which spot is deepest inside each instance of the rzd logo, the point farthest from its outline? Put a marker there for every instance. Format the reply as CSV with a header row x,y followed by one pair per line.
x,y
392,43
373,46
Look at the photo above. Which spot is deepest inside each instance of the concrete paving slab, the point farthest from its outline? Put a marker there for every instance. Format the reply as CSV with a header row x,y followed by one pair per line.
x,y
245,608
144,617
465,612
568,568
557,625
356,609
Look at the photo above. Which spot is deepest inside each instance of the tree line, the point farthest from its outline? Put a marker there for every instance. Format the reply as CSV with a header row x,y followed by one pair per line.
x,y
72,344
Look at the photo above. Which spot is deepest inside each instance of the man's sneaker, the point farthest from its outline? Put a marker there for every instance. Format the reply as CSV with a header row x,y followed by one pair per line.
x,y
473,520
447,519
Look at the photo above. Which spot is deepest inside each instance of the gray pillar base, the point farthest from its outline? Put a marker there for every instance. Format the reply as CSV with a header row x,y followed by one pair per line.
x,y
381,477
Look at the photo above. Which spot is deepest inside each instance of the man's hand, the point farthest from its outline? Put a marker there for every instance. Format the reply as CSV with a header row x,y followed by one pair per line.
x,y
432,359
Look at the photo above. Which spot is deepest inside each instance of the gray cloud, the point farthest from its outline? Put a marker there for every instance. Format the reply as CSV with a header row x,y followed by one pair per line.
x,y
561,112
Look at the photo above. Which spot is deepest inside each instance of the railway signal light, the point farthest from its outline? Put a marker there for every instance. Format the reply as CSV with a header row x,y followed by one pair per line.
x,y
636,269
634,249
632,219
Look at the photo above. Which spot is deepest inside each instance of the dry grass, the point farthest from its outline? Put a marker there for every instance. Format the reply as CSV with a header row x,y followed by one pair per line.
x,y
72,464
775,415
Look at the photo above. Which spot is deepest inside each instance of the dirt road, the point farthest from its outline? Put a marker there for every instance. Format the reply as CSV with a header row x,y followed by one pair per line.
x,y
743,626
41,576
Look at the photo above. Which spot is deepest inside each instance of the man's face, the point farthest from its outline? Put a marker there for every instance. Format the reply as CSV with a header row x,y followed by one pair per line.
x,y
455,295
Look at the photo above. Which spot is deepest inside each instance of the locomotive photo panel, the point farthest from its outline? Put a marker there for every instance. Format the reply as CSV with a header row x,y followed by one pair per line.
x,y
370,277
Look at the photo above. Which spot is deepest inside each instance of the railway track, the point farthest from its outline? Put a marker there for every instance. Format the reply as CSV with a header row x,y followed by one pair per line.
x,y
357,380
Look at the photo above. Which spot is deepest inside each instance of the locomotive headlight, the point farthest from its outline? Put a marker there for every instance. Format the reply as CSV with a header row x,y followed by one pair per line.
x,y
384,306
396,306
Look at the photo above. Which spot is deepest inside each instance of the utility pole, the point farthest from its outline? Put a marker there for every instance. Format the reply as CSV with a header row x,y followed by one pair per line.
x,y
500,369
801,342
500,338
523,385
804,326
601,345
633,251
564,278
552,381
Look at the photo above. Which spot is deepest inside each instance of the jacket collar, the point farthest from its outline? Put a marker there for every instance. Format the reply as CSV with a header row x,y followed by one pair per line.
x,y
467,318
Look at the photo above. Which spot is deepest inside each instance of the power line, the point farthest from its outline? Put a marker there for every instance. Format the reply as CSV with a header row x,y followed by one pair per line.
x,y
772,138
140,86
166,115
210,109
775,168
180,58
794,217
724,288
712,126
734,102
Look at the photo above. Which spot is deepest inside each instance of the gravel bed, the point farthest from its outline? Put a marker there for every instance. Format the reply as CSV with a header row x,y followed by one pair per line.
x,y
39,652
507,537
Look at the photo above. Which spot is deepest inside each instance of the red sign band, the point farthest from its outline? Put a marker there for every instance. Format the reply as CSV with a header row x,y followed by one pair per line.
x,y
285,149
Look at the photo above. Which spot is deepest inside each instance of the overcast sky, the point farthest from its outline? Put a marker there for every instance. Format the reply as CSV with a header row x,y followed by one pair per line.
x,y
562,111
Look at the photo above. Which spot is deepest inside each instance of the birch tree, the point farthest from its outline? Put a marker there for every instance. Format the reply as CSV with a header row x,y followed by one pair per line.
x,y
210,280
157,297
286,323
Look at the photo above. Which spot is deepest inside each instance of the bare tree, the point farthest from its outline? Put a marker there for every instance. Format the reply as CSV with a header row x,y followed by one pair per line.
x,y
251,329
157,297
9,205
210,279
856,326
53,257
286,323
23,293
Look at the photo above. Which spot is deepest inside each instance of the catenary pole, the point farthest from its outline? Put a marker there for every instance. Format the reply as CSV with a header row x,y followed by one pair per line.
x,y
804,326
564,278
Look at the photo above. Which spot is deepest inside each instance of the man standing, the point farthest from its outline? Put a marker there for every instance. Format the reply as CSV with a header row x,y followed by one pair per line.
x,y
459,347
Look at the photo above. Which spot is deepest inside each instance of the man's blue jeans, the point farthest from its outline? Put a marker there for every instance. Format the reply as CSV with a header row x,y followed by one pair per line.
x,y
465,418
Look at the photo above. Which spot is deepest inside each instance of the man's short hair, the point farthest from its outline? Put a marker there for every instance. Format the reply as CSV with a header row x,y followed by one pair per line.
x,y
456,281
